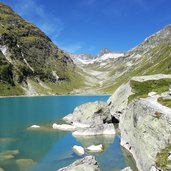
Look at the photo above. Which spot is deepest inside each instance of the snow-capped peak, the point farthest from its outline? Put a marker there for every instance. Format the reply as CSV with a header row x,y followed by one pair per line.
x,y
103,56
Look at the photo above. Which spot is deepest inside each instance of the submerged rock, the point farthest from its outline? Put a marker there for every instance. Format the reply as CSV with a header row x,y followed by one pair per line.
x,y
7,139
88,163
2,169
78,150
25,164
95,148
64,127
8,154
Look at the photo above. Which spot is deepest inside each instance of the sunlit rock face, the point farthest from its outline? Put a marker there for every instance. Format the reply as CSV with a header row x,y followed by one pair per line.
x,y
145,130
88,163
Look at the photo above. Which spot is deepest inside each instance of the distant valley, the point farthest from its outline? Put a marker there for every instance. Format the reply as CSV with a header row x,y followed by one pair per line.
x,y
30,64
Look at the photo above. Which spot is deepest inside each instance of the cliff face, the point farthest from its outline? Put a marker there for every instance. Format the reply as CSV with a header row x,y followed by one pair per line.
x,y
145,130
29,53
142,107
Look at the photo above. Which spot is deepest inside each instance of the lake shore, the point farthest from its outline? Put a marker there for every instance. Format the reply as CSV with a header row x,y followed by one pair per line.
x,y
71,95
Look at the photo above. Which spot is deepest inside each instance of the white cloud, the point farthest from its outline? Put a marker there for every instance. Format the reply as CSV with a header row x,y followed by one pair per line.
x,y
36,14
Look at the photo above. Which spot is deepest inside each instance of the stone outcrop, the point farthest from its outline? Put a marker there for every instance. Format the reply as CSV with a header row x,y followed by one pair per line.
x,y
145,130
88,163
91,119
101,129
117,103
89,113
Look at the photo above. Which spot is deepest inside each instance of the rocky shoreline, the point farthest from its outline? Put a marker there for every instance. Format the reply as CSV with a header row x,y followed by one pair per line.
x,y
144,123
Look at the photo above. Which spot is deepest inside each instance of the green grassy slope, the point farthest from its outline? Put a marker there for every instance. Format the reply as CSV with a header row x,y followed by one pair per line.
x,y
156,61
33,56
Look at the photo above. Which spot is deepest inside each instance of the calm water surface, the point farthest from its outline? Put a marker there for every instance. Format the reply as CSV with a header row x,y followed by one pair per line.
x,y
22,149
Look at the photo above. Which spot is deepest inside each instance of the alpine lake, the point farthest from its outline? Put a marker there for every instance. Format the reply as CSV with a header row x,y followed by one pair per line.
x,y
46,149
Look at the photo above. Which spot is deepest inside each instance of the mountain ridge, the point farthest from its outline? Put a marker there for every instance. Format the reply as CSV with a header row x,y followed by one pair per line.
x,y
31,54
32,65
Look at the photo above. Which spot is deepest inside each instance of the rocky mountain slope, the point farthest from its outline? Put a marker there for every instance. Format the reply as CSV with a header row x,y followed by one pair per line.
x,y
29,61
150,57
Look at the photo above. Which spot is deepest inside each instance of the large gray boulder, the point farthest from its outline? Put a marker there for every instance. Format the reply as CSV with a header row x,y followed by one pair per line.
x,y
89,113
88,163
118,102
145,130
91,119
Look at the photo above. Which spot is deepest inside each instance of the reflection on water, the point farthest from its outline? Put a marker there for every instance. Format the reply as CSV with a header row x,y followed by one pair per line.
x,y
46,149
105,140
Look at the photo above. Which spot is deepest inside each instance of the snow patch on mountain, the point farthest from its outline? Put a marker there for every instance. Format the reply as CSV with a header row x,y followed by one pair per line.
x,y
86,60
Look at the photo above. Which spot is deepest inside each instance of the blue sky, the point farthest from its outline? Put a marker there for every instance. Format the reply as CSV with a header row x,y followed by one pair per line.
x,y
87,26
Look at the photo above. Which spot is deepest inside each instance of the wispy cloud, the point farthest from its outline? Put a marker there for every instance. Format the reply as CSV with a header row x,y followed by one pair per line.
x,y
77,48
73,48
35,13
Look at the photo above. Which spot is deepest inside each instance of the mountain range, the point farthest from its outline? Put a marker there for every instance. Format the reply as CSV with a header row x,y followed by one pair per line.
x,y
31,64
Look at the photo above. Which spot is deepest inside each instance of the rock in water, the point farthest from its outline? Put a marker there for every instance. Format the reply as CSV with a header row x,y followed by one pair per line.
x,y
64,127
78,150
102,129
88,163
91,119
7,155
35,126
89,113
25,164
95,148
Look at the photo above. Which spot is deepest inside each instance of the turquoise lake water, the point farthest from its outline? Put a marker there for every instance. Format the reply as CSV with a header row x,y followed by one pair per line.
x,y
46,149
